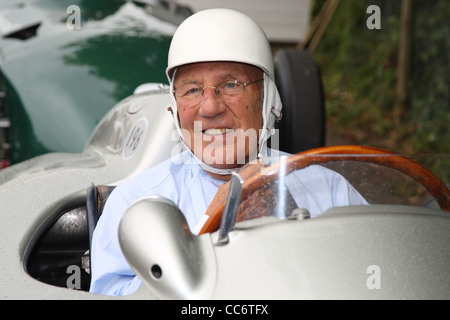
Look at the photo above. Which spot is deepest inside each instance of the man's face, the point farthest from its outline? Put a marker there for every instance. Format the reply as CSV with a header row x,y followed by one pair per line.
x,y
222,130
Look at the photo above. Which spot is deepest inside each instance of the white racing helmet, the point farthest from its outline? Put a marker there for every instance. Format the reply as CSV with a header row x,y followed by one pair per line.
x,y
226,35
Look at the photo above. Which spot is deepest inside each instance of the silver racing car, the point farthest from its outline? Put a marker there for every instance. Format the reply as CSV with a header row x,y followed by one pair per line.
x,y
396,247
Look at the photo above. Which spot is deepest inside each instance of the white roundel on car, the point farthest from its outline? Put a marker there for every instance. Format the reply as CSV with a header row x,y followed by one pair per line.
x,y
134,138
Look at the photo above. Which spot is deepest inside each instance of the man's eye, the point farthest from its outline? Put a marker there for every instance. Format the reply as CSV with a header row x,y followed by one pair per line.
x,y
231,85
191,91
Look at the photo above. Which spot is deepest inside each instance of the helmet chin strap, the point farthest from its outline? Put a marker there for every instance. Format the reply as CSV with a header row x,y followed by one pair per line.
x,y
222,171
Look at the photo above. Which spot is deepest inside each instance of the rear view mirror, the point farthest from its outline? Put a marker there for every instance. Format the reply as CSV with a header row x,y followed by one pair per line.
x,y
173,263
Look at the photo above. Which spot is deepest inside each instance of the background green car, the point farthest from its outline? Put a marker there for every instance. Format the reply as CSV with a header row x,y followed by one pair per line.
x,y
65,63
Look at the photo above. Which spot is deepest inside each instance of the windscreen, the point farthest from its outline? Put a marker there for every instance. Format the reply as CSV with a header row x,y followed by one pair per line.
x,y
310,185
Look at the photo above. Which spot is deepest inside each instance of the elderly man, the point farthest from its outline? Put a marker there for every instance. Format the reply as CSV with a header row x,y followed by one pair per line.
x,y
225,103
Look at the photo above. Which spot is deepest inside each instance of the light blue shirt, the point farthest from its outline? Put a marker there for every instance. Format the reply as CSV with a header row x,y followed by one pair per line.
x,y
186,184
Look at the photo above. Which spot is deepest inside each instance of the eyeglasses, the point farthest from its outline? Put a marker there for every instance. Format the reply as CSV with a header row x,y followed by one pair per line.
x,y
190,95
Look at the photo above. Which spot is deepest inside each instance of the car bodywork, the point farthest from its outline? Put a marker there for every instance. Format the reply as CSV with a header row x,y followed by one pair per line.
x,y
57,182
337,255
58,80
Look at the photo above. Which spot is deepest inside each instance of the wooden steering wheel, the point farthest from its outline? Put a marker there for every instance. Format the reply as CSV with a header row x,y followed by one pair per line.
x,y
268,175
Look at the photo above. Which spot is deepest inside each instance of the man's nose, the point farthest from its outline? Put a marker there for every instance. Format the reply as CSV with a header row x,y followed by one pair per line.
x,y
211,104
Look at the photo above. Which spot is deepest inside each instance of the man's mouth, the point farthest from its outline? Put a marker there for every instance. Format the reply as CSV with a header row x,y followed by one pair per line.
x,y
217,131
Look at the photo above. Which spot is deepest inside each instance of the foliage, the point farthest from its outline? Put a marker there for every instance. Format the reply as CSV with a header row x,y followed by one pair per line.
x,y
359,68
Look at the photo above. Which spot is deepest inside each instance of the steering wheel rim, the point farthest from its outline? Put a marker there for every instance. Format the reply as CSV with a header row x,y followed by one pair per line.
x,y
301,160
